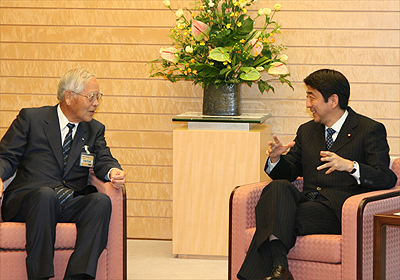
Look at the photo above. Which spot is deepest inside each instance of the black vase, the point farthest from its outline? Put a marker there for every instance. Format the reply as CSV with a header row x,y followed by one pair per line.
x,y
225,100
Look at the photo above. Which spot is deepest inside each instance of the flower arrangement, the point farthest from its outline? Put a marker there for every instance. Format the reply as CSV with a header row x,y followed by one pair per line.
x,y
220,45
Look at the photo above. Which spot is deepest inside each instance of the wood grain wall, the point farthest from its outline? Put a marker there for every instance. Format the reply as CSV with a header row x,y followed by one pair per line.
x,y
40,40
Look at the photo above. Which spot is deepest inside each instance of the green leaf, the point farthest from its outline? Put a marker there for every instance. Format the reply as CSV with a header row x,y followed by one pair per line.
x,y
267,52
249,74
284,80
205,70
219,54
247,26
261,61
262,85
224,71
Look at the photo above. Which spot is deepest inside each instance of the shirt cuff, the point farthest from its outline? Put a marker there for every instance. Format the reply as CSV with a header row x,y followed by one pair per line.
x,y
271,165
356,174
107,178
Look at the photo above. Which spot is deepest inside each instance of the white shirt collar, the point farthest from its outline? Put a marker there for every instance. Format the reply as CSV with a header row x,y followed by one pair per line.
x,y
63,121
338,125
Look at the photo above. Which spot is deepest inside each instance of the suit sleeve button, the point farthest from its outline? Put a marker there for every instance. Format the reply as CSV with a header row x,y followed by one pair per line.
x,y
318,188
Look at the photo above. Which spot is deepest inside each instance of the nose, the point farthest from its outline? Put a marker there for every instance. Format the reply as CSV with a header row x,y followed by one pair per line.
x,y
308,103
96,102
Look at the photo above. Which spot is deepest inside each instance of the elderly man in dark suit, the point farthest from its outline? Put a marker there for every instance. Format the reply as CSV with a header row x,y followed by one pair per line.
x,y
340,153
52,149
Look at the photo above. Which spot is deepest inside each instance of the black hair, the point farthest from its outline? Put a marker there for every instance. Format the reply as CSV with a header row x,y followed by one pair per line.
x,y
329,82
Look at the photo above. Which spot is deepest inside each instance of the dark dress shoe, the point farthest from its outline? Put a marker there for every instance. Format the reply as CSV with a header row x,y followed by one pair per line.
x,y
280,273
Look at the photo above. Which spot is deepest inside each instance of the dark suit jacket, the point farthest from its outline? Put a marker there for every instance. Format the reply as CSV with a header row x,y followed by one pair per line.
x,y
360,139
32,145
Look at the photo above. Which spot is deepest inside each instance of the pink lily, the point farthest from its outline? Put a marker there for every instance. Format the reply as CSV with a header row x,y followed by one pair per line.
x,y
277,69
170,54
200,30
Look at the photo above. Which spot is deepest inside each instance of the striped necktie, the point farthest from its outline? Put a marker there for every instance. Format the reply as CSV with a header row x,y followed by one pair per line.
x,y
64,193
329,139
66,147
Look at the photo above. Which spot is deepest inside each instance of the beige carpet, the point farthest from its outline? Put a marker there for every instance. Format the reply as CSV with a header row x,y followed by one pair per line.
x,y
148,259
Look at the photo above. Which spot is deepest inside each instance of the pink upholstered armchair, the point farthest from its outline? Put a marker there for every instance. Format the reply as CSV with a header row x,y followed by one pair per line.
x,y
319,256
112,262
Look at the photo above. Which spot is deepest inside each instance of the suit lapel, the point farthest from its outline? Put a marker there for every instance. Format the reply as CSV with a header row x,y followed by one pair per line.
x,y
347,132
319,137
53,134
77,145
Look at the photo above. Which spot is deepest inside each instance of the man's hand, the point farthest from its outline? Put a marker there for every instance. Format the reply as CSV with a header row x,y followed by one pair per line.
x,y
276,149
117,178
334,162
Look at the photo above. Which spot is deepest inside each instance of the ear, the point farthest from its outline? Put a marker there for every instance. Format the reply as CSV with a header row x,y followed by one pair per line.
x,y
334,99
68,95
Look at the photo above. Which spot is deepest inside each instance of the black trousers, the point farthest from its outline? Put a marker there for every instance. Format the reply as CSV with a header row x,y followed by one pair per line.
x,y
41,211
286,213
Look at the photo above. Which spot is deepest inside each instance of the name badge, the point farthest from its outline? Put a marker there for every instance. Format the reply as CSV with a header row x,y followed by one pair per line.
x,y
87,159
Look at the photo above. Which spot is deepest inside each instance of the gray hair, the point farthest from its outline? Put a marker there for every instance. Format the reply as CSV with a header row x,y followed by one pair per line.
x,y
73,80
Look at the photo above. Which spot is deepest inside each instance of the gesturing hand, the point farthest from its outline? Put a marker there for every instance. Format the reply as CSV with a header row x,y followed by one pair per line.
x,y
334,162
276,149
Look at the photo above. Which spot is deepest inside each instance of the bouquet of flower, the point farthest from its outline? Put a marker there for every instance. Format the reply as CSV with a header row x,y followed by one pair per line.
x,y
220,45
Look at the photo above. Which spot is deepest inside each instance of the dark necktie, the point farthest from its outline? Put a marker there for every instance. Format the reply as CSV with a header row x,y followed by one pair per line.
x,y
64,193
329,139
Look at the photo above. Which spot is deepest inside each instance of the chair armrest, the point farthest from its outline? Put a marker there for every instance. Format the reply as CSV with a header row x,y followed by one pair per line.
x,y
242,216
116,246
357,229
242,206
243,202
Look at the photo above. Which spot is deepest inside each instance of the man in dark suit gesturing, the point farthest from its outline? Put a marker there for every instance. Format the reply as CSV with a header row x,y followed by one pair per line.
x,y
339,154
52,149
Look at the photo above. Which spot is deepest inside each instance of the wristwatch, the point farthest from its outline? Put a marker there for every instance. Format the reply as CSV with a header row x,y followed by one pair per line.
x,y
354,167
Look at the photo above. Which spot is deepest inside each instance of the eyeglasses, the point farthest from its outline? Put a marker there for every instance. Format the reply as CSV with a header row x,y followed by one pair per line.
x,y
92,96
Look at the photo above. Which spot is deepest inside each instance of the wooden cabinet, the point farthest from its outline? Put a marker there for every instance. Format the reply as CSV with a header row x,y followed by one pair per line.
x,y
207,166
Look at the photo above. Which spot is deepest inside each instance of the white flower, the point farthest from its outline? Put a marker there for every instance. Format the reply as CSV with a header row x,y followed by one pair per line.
x,y
283,58
181,24
166,3
260,68
277,7
211,4
261,12
179,13
255,1
267,11
189,49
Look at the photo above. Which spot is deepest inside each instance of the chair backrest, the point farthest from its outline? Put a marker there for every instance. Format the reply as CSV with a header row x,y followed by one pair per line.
x,y
395,166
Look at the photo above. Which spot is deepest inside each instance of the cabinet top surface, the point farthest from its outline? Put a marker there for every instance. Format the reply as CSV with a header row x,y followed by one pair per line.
x,y
243,118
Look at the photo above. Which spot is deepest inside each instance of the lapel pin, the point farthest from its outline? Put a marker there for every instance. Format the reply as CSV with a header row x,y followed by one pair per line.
x,y
349,135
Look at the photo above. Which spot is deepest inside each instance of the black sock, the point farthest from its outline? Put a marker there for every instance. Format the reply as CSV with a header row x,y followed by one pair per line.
x,y
279,253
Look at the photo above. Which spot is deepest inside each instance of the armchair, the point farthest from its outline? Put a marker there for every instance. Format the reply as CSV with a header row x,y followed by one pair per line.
x,y
323,256
112,262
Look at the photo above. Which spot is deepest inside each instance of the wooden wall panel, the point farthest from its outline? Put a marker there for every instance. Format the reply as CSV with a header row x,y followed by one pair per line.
x,y
41,39
149,191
